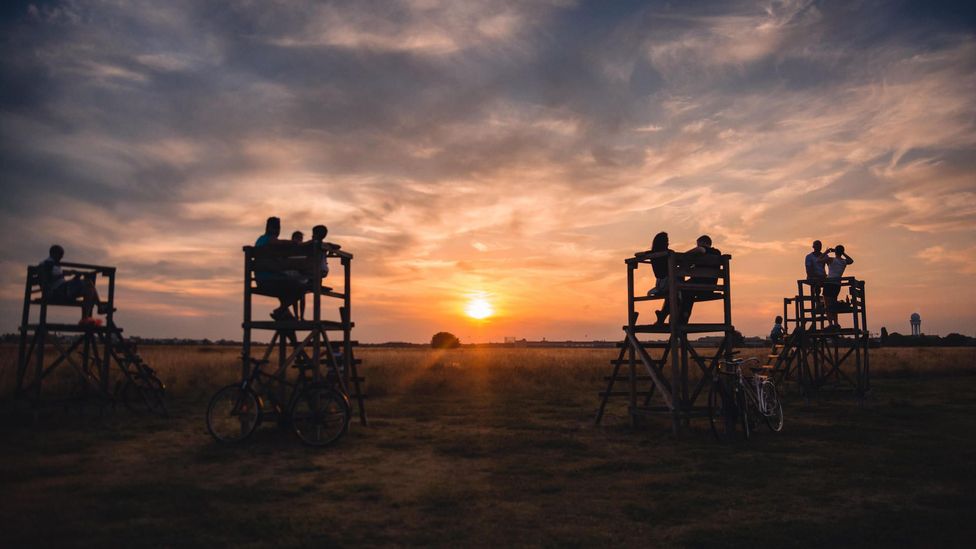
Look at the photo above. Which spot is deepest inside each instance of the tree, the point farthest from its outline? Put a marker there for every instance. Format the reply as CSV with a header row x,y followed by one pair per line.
x,y
445,340
884,335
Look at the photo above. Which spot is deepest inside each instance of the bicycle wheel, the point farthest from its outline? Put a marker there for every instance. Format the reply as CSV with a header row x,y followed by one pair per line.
x,y
320,415
723,411
774,408
144,395
233,414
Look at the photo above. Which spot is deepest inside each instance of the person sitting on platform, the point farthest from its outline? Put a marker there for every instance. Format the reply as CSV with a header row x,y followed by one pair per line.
x,y
815,268
297,237
776,334
660,267
688,297
835,268
60,291
319,232
288,287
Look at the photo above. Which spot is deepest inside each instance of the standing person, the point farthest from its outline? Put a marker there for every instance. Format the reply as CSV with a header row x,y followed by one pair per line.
x,y
815,269
776,334
835,270
703,247
58,290
286,287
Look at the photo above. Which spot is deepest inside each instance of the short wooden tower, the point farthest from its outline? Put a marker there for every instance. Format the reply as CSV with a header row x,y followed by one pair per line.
x,y
320,345
667,378
89,351
817,357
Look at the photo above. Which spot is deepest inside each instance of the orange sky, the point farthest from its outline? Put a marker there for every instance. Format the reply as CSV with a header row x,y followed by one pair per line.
x,y
514,152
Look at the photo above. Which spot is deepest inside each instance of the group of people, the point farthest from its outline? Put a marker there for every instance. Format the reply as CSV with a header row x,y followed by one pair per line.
x,y
825,268
823,273
659,252
289,286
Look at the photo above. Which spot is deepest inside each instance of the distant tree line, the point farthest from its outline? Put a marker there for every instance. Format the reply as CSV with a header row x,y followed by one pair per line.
x,y
894,339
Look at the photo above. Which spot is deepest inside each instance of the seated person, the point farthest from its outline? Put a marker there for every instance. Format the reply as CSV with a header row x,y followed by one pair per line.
x,y
287,286
688,297
776,334
58,290
659,264
319,232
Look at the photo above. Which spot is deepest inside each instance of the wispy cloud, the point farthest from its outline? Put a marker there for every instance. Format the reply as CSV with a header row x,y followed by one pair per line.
x,y
519,149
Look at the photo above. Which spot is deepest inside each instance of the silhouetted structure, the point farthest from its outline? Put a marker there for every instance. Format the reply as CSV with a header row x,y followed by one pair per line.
x,y
668,377
315,348
816,356
89,350
916,322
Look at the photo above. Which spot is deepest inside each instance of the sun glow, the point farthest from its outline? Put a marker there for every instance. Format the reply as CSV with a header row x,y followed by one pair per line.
x,y
479,308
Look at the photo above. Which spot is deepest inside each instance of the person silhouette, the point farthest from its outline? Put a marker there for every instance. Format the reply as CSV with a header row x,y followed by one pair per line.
x,y
815,268
287,287
688,297
831,288
56,289
776,334
660,245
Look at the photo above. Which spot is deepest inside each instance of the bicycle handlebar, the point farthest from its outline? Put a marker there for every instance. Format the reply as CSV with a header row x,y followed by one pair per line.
x,y
738,362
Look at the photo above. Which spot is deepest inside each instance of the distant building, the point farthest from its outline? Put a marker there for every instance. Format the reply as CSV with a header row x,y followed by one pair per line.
x,y
916,322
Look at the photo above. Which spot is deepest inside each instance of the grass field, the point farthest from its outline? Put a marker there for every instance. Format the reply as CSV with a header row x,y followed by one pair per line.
x,y
497,447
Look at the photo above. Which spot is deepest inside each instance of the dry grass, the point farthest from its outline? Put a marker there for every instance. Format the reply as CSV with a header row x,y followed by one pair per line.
x,y
194,372
477,447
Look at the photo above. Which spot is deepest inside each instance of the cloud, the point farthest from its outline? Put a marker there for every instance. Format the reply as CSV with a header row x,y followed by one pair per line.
x,y
516,148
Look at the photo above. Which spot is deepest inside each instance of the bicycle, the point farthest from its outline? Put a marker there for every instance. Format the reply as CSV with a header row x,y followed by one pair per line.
x,y
317,412
735,398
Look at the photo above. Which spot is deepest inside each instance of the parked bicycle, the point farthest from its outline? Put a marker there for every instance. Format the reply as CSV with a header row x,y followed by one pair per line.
x,y
316,411
738,401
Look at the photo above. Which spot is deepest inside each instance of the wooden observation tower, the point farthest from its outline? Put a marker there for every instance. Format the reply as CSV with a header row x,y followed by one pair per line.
x,y
86,350
320,345
668,379
816,356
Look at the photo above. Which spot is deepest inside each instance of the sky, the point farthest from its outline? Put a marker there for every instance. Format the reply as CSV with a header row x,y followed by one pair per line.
x,y
513,152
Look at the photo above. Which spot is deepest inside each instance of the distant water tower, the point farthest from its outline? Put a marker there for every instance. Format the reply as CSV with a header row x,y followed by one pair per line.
x,y
916,324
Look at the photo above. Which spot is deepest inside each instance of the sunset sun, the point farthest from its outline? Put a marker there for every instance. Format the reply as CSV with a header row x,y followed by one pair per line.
x,y
479,308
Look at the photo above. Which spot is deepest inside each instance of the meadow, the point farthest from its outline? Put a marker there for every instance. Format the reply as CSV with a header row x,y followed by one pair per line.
x,y
487,447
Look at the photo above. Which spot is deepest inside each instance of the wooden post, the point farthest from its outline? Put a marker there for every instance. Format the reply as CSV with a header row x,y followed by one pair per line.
x,y
246,352
347,323
40,335
632,364
674,324
22,356
109,329
867,337
317,312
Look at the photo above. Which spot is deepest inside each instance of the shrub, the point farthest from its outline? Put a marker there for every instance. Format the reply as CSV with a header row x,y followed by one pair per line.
x,y
445,340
